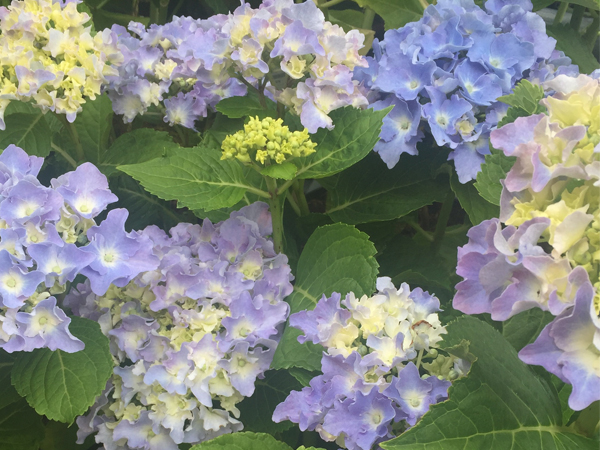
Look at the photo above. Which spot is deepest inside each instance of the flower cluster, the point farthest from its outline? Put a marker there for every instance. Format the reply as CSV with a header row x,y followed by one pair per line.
x,y
190,336
548,255
369,381
49,56
47,237
267,140
449,68
190,65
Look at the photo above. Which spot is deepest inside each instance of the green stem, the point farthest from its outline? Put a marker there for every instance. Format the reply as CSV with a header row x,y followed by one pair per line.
x,y
330,3
276,214
440,228
415,226
74,136
562,9
64,154
285,186
577,17
293,203
419,358
298,188
158,14
368,18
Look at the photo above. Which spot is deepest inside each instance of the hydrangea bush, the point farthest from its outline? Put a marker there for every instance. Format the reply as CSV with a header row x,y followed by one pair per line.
x,y
299,225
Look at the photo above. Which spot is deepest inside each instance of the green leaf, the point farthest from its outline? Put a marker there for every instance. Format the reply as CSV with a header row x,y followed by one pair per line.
x,y
62,385
257,410
243,441
495,168
411,260
395,13
303,376
144,208
30,131
570,42
511,115
60,436
137,146
525,327
502,404
285,171
336,258
248,106
478,208
526,96
355,134
20,427
93,125
197,178
370,192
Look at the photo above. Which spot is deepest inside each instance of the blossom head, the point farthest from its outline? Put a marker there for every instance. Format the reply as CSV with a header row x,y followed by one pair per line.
x,y
267,141
367,341
191,332
52,59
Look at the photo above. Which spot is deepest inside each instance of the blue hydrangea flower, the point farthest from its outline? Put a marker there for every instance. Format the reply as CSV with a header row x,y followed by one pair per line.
x,y
455,62
356,399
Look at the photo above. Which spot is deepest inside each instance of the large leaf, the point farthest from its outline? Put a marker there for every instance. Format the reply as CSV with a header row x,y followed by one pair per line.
x,y
495,168
30,131
355,134
137,146
501,405
478,208
412,260
62,385
395,13
257,410
144,208
526,96
197,178
369,191
248,106
93,125
570,42
525,327
20,427
243,441
336,258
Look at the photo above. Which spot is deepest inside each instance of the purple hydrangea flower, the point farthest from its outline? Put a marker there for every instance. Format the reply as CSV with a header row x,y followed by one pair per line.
x,y
192,330
569,348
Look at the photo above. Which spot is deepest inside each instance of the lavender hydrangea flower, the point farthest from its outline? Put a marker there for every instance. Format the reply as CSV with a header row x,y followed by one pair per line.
x,y
193,330
184,66
42,248
546,254
455,62
568,347
356,399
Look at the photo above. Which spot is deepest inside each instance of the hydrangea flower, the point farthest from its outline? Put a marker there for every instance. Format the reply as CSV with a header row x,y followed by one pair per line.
x,y
267,140
50,57
190,335
448,70
47,237
373,349
548,253
189,65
